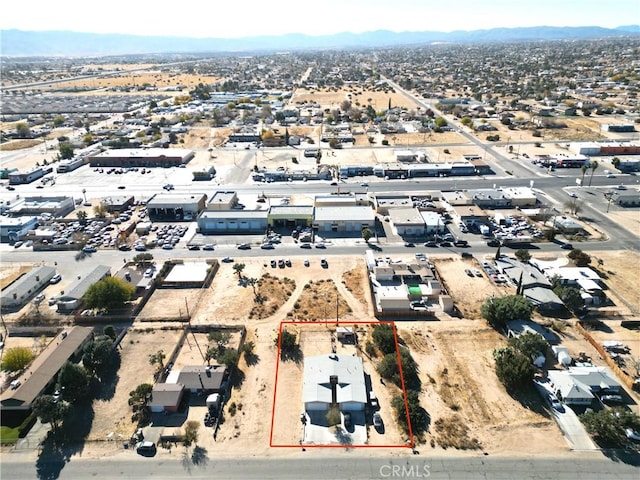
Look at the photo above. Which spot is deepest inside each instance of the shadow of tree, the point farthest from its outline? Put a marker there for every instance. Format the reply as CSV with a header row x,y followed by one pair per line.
x,y
60,446
105,388
251,359
627,456
294,354
237,378
343,437
199,456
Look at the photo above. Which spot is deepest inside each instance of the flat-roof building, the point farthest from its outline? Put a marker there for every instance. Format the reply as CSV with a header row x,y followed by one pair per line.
x,y
343,219
174,206
142,157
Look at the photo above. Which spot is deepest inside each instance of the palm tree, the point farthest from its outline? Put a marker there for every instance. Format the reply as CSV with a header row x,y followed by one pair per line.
x,y
584,170
594,165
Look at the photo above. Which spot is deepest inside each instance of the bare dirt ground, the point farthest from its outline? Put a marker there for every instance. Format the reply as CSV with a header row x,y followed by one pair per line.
x,y
456,370
468,293
134,80
170,304
332,98
620,270
112,413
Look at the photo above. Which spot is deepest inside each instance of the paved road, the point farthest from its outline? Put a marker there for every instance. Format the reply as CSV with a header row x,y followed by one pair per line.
x,y
311,465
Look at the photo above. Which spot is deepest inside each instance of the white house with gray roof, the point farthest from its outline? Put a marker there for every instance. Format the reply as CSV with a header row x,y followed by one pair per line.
x,y
17,294
334,379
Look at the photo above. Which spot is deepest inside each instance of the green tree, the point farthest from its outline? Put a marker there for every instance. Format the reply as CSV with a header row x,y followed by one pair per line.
x,y
523,255
23,130
16,359
440,122
333,416
571,298
138,399
229,358
49,410
288,344
239,268
498,311
157,359
607,426
191,432
513,368
615,161
219,337
389,370
580,258
143,258
416,412
82,217
594,166
384,338
110,332
583,169
529,344
366,234
109,293
66,151
98,355
248,349
73,382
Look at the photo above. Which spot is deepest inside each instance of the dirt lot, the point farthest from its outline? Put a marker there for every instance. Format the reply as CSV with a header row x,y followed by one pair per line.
x,y
134,80
332,98
112,412
468,293
620,269
458,380
170,304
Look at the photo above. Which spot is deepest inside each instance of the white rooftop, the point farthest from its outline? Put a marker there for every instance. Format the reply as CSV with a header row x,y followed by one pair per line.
x,y
348,369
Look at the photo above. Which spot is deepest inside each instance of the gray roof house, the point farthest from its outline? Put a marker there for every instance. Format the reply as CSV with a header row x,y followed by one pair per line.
x,y
200,378
71,298
335,379
16,295
578,384
44,368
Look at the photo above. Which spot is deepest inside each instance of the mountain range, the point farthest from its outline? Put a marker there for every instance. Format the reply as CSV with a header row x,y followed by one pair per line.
x,y
66,43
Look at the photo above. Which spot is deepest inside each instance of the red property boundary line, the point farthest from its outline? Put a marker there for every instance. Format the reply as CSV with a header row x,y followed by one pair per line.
x,y
410,444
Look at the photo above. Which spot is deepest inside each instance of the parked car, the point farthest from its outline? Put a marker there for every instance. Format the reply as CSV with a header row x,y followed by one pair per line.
x,y
39,298
305,245
320,245
409,244
55,279
274,264
146,448
227,260
377,420
631,435
612,399
430,243
306,262
323,263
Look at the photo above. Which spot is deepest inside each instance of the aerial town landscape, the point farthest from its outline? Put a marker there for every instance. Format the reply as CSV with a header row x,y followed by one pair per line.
x,y
407,252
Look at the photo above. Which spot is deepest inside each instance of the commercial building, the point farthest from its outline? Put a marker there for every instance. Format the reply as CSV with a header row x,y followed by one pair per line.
x,y
142,157
407,221
290,216
170,206
12,229
344,219
55,206
232,221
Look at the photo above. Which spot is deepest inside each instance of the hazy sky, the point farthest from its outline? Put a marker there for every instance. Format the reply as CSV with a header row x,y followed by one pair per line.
x,y
240,18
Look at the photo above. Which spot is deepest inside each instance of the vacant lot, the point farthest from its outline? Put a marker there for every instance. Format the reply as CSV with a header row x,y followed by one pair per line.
x,y
619,271
468,293
460,388
333,97
170,304
111,411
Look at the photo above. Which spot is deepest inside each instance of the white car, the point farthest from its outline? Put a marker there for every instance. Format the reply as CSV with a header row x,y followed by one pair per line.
x,y
267,246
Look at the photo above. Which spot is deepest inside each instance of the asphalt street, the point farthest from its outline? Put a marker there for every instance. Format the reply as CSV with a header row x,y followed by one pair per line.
x,y
311,465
